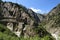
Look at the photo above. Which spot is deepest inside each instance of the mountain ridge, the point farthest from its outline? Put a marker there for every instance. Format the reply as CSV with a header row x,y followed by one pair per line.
x,y
22,21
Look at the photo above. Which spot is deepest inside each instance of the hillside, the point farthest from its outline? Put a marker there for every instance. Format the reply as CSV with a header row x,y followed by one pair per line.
x,y
52,22
18,23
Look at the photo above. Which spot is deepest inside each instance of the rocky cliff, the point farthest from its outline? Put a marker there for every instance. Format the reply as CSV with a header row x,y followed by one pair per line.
x,y
52,23
25,22
19,19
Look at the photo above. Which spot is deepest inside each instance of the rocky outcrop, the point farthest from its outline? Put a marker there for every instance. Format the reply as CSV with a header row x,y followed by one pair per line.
x,y
18,19
53,22
21,21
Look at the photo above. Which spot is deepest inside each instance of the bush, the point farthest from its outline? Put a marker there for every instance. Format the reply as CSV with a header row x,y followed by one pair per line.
x,y
6,34
47,37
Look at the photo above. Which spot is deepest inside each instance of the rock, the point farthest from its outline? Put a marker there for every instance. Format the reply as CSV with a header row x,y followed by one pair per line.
x,y
19,19
10,26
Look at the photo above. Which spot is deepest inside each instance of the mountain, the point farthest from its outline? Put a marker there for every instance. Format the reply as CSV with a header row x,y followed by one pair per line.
x,y
16,17
17,21
52,22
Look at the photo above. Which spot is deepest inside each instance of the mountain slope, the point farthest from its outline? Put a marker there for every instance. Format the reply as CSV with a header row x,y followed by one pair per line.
x,y
54,17
22,22
52,22
17,18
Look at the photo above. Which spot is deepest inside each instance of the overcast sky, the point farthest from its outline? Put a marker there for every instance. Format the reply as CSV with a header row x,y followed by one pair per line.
x,y
40,6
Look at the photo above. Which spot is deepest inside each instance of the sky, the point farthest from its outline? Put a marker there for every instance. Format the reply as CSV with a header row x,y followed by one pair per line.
x,y
38,6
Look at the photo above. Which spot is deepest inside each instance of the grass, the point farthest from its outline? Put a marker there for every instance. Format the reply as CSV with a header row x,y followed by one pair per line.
x,y
6,34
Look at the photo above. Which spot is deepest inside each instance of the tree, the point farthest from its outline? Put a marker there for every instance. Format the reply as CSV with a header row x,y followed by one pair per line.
x,y
0,1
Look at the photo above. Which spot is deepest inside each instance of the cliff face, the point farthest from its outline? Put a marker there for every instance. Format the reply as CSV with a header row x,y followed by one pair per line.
x,y
22,21
53,17
53,22
19,19
11,10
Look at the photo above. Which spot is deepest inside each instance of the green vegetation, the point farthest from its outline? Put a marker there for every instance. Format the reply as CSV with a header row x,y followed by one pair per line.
x,y
6,34
8,37
42,34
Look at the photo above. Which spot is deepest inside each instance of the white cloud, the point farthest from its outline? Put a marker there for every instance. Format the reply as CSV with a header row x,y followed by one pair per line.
x,y
38,10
